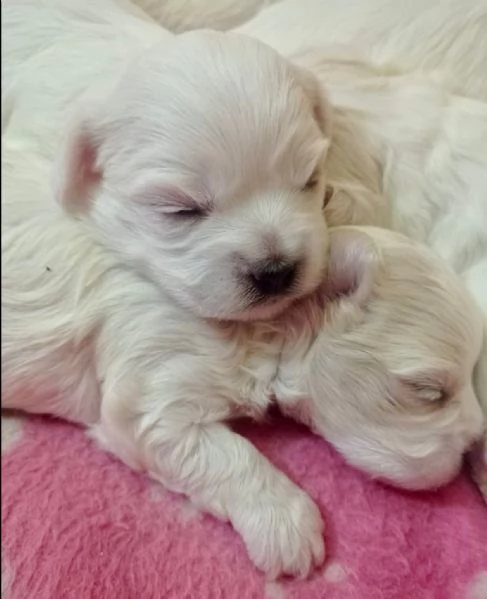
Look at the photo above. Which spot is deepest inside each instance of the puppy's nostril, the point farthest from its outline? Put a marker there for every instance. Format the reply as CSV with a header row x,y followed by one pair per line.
x,y
274,278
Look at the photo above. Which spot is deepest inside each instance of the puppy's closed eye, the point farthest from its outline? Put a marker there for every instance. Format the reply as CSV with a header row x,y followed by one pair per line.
x,y
169,201
312,182
431,395
432,388
188,213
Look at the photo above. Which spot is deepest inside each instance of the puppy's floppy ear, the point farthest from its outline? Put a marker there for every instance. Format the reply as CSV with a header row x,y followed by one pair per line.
x,y
76,173
319,102
353,265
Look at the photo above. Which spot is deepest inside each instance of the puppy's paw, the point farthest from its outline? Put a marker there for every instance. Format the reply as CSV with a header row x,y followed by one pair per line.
x,y
283,532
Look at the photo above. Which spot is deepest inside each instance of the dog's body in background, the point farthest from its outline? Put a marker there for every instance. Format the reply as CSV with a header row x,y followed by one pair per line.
x,y
86,315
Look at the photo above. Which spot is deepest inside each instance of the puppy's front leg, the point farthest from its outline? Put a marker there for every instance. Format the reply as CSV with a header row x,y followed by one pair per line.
x,y
184,445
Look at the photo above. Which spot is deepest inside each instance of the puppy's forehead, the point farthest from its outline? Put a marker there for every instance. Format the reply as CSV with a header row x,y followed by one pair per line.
x,y
213,56
213,102
226,50
207,72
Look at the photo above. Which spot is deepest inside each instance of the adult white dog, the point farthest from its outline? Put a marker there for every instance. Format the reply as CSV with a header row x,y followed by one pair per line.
x,y
189,202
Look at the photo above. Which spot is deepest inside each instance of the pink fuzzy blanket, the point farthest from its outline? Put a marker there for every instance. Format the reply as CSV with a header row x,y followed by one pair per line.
x,y
77,524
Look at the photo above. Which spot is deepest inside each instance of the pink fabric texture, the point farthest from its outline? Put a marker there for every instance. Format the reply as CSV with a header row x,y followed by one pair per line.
x,y
78,524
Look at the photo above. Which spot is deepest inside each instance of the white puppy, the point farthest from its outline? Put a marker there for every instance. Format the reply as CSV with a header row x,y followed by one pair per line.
x,y
387,377
197,159
408,86
193,174
86,338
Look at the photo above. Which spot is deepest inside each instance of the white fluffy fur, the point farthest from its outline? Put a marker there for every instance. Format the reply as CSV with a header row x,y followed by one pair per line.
x,y
182,15
408,86
102,312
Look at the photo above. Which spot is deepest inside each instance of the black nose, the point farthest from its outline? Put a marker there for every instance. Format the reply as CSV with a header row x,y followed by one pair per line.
x,y
273,278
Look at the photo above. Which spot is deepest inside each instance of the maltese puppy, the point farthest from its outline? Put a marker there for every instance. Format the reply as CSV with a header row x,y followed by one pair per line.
x,y
387,375
409,97
197,159
190,187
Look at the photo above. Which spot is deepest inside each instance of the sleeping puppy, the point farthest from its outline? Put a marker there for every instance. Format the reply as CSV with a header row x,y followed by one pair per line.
x,y
387,376
197,159
193,177
379,360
